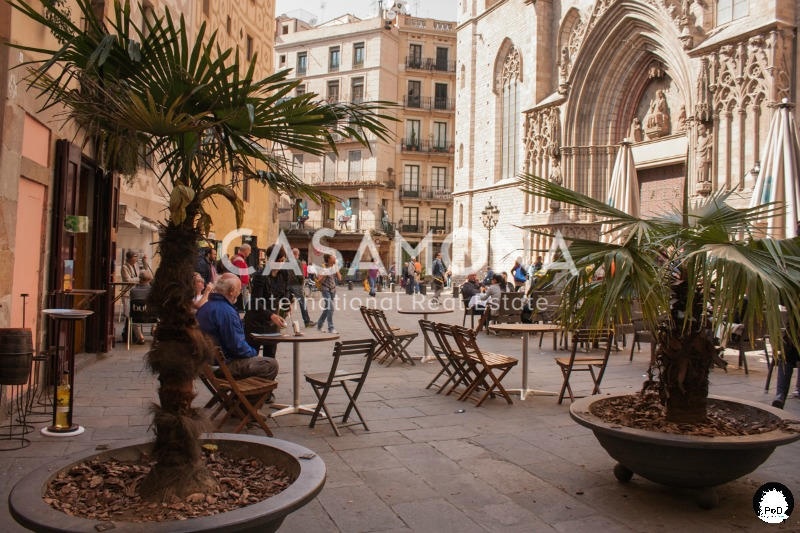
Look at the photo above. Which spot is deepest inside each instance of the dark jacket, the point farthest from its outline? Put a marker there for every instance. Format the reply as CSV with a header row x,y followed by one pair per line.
x,y
203,267
268,295
220,320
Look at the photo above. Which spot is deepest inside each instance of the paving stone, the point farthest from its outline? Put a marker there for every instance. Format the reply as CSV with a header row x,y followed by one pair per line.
x,y
357,508
436,515
369,459
396,485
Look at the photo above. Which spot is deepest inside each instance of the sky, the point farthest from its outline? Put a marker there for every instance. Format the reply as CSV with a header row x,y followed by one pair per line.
x,y
328,9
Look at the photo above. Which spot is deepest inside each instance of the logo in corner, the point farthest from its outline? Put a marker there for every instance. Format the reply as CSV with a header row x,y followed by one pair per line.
x,y
773,502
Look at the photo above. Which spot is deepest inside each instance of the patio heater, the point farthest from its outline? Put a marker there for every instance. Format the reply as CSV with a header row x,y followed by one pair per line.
x,y
489,217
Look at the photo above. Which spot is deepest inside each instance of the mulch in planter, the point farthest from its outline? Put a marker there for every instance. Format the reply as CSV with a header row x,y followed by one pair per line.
x,y
106,489
643,411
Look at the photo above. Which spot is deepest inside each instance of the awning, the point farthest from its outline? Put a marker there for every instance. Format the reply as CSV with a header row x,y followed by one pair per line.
x,y
130,217
779,174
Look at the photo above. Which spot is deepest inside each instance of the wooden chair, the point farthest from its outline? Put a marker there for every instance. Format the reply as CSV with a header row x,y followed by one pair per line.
x,y
392,342
463,369
588,338
241,398
510,309
440,352
359,355
489,368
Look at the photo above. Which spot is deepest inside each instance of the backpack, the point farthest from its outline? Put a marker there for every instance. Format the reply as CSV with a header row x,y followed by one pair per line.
x,y
411,270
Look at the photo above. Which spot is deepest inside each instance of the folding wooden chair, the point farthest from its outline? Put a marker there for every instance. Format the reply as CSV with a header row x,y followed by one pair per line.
x,y
393,342
490,368
241,398
586,363
359,354
381,348
439,352
463,371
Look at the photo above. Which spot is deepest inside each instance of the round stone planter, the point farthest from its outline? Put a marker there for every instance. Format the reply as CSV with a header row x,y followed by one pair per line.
x,y
687,461
307,469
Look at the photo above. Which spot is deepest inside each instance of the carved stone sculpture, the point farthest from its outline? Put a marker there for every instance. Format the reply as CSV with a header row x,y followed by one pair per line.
x,y
657,121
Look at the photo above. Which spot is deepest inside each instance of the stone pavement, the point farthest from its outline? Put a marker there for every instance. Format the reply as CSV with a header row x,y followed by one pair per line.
x,y
431,463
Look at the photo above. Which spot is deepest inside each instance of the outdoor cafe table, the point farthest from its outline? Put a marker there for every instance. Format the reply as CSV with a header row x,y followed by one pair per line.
x,y
425,311
527,330
296,340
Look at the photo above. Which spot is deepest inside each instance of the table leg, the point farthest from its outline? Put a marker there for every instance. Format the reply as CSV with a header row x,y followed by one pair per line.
x,y
295,408
525,391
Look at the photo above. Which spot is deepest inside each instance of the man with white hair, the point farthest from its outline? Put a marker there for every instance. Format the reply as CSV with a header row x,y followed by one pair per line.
x,y
219,319
241,269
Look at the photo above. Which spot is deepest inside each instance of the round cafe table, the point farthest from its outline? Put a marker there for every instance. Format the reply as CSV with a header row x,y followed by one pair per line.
x,y
425,311
527,330
296,340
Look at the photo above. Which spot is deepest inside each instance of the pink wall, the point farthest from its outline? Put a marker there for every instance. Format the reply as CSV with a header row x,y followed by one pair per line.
x,y
27,253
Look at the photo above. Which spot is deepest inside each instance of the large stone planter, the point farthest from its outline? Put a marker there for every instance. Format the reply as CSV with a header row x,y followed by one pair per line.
x,y
307,469
686,461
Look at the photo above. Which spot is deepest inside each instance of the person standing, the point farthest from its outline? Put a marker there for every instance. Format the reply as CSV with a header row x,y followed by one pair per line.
x,y
439,272
270,302
297,281
518,271
139,295
372,280
241,269
329,276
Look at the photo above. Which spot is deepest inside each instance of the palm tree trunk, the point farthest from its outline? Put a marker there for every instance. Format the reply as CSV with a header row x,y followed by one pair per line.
x,y
178,352
685,362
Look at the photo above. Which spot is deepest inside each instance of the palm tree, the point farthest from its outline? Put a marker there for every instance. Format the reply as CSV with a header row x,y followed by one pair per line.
x,y
147,89
690,271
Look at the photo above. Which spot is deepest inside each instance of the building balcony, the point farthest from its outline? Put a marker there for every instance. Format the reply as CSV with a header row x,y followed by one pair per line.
x,y
430,64
429,103
441,148
423,227
345,179
428,194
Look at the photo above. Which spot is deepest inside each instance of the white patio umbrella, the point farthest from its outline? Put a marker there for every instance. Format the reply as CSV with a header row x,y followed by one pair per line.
x,y
778,177
623,193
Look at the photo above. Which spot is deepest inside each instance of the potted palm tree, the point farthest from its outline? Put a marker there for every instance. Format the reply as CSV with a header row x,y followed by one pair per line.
x,y
138,87
689,271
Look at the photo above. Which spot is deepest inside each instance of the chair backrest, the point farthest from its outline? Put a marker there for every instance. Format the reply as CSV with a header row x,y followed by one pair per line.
x,y
510,307
140,312
467,342
590,337
431,338
352,351
447,340
544,305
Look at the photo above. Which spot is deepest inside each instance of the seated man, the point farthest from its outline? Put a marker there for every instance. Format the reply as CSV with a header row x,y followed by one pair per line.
x,y
219,319
470,288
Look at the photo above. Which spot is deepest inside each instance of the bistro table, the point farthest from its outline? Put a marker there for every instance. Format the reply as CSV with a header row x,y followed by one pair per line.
x,y
63,371
82,298
425,311
296,340
527,330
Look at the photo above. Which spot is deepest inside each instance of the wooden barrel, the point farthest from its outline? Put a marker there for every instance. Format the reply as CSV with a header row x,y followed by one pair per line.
x,y
16,353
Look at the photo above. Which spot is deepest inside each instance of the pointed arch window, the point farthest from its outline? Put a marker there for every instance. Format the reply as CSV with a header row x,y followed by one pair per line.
x,y
509,114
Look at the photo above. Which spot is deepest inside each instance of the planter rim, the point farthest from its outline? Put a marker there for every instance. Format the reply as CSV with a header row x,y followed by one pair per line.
x,y
27,493
579,411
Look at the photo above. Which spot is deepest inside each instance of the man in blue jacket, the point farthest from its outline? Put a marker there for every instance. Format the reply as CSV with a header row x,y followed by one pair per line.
x,y
219,319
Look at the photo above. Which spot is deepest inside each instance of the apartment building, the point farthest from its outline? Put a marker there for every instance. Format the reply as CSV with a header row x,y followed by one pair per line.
x,y
404,185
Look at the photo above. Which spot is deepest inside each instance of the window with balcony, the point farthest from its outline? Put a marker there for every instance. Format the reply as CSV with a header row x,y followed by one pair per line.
x,y
333,91
282,60
357,90
410,219
285,29
439,180
728,10
412,134
301,89
334,55
411,181
354,165
440,96
358,55
415,56
414,98
329,167
302,63
439,136
442,56
439,220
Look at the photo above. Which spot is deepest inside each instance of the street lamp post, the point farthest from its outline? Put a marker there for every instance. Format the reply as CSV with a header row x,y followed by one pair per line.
x,y
489,217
